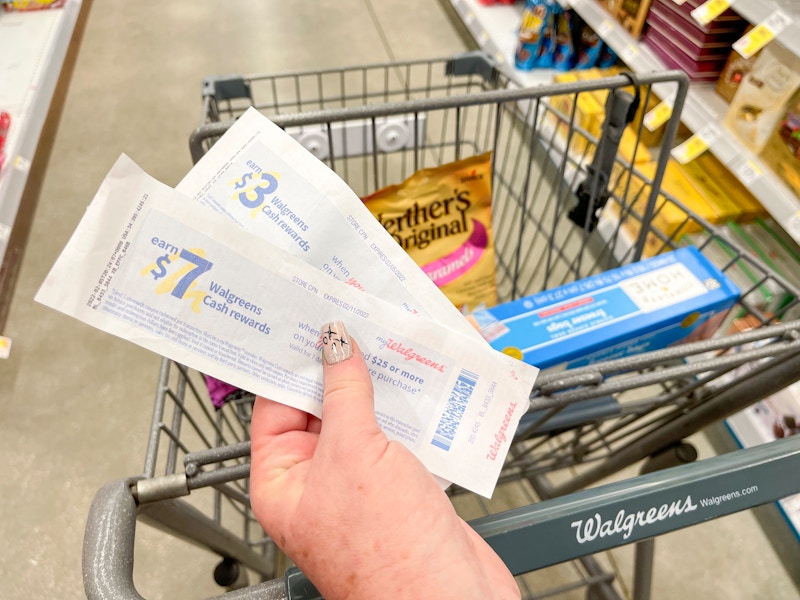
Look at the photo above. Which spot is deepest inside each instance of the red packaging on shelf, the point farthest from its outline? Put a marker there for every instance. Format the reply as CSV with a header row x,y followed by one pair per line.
x,y
5,125
669,22
691,48
674,58
689,5
727,23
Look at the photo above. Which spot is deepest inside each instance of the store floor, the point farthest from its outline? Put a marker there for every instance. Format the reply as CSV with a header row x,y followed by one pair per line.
x,y
77,402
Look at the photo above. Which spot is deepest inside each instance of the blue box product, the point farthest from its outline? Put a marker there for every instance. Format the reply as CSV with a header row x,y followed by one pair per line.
x,y
669,299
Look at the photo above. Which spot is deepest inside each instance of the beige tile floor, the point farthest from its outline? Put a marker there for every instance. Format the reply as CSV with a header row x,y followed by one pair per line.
x,y
77,402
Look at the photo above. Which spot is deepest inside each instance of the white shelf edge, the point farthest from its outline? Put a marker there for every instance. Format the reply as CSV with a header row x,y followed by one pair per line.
x,y
28,122
495,29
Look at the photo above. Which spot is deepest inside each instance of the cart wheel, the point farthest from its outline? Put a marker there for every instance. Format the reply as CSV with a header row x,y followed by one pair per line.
x,y
230,574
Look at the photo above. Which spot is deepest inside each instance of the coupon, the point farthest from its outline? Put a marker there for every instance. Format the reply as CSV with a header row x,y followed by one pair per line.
x,y
148,265
263,180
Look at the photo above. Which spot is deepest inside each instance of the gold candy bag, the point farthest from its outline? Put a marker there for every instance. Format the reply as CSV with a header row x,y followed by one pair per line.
x,y
443,218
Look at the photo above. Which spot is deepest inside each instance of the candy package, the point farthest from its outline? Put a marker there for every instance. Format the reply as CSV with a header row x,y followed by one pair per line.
x,y
443,218
564,46
536,35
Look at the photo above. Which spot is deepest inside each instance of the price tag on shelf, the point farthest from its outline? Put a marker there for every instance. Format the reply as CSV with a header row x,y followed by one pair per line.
x,y
710,10
794,226
659,115
469,18
21,163
746,170
629,54
605,28
483,37
695,145
5,346
762,34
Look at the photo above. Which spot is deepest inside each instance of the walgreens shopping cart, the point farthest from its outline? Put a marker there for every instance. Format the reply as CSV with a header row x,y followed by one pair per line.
x,y
569,200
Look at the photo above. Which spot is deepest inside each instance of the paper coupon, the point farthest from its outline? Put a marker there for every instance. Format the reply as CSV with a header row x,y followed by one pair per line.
x,y
260,178
149,265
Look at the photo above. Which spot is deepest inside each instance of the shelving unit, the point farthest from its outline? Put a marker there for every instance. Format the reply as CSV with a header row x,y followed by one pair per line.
x,y
494,28
32,50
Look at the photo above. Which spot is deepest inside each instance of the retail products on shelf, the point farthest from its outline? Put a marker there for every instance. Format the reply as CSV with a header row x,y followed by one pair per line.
x,y
681,42
442,217
670,299
630,14
762,97
23,5
5,125
551,37
536,35
734,71
782,150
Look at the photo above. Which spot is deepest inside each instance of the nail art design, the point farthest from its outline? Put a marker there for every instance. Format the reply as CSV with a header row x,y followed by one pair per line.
x,y
335,343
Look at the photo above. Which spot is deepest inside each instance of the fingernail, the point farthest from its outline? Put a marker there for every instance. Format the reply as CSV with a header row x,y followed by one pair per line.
x,y
335,343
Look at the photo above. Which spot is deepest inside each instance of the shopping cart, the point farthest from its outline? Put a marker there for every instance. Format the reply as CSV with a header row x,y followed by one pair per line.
x,y
567,203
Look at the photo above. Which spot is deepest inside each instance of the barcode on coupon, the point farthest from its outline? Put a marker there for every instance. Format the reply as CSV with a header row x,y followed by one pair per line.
x,y
456,405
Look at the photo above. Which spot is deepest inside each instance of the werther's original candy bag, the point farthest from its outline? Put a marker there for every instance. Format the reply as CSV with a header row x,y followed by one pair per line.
x,y
442,218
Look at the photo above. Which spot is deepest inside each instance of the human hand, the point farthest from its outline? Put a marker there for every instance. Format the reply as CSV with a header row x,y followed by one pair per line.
x,y
359,514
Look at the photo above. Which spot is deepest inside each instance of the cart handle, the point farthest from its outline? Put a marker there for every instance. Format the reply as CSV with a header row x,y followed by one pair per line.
x,y
108,551
581,523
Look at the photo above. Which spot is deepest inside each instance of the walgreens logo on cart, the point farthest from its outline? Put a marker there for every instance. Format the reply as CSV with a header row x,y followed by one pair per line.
x,y
587,530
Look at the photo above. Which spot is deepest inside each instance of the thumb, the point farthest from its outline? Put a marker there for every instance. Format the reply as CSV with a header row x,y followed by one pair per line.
x,y
348,404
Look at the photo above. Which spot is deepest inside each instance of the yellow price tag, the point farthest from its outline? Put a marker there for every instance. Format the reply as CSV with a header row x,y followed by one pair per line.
x,y
695,145
658,116
710,10
762,34
755,40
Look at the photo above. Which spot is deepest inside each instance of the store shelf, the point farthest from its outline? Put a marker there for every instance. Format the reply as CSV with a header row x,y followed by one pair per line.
x,y
704,111
755,426
495,30
32,50
757,11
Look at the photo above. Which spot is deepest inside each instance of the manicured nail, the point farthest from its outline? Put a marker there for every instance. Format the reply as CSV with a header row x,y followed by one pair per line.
x,y
335,343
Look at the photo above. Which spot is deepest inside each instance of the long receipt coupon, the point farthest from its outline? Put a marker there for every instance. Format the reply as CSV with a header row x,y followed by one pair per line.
x,y
252,177
149,264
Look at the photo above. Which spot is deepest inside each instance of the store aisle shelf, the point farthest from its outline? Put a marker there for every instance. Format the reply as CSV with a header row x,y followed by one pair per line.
x,y
32,50
757,11
495,30
704,110
495,27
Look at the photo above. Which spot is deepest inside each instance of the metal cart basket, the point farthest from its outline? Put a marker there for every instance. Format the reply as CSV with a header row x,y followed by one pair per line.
x,y
570,199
